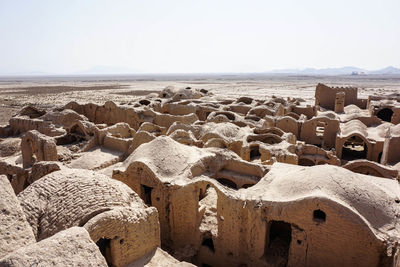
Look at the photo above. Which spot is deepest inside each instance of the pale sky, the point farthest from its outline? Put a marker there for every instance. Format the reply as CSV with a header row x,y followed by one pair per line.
x,y
191,36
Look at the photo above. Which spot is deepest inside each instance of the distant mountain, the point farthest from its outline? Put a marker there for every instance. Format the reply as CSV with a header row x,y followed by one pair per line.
x,y
349,70
387,70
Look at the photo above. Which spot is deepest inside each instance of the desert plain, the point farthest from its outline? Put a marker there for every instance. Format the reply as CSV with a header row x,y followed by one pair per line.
x,y
15,92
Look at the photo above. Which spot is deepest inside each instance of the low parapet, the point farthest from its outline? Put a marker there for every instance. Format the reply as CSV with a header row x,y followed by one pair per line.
x,y
325,96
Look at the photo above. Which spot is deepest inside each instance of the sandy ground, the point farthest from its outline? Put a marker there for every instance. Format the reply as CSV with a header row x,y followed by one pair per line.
x,y
51,91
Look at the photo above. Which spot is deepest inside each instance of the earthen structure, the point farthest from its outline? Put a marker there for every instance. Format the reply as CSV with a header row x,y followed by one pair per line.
x,y
183,177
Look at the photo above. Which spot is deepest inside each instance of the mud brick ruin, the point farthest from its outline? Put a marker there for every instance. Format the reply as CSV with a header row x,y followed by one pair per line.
x,y
184,178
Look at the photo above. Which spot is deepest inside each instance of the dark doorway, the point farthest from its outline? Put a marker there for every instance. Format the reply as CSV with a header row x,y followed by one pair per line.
x,y
105,249
208,242
380,157
354,148
255,153
279,237
146,194
385,114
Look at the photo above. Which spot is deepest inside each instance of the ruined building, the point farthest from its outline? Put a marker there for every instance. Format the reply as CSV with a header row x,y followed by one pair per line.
x,y
185,178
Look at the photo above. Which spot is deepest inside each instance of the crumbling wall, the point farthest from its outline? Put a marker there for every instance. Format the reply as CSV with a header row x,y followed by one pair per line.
x,y
17,175
15,231
132,232
109,113
325,96
21,125
58,250
309,111
390,151
37,147
320,131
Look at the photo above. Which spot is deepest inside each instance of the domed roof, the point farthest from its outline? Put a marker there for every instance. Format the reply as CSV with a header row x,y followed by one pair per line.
x,y
70,197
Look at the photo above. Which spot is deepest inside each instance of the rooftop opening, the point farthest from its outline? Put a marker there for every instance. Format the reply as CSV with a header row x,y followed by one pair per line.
x,y
237,174
227,183
319,216
306,162
268,138
230,116
278,241
144,102
385,114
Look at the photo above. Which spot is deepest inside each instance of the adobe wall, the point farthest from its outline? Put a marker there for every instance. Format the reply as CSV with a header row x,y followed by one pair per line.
x,y
340,232
109,113
242,231
309,111
325,96
15,231
37,147
17,175
373,148
375,108
396,116
71,247
137,176
310,135
132,232
316,155
288,124
391,150
238,229
21,125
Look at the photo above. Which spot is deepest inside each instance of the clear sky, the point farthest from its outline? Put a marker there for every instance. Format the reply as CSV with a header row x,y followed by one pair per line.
x,y
162,36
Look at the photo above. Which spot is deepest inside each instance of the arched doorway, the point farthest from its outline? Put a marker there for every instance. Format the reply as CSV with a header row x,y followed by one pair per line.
x,y
104,245
354,148
385,114
278,239
255,152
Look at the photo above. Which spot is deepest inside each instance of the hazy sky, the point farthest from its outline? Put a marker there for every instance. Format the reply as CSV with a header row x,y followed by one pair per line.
x,y
68,36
